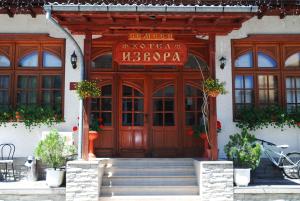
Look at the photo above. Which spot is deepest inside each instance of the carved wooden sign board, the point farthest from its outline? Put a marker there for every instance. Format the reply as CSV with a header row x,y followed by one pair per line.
x,y
154,50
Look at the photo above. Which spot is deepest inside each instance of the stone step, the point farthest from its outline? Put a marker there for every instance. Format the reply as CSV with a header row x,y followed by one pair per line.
x,y
153,181
150,162
146,171
148,190
151,198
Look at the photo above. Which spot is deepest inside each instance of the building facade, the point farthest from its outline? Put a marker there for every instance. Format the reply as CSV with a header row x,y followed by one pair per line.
x,y
150,62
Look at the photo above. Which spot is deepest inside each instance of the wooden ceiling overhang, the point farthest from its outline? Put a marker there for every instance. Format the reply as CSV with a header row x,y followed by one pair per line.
x,y
179,20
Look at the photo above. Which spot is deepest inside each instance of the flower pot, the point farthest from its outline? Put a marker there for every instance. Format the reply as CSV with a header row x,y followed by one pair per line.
x,y
213,93
54,178
93,135
242,176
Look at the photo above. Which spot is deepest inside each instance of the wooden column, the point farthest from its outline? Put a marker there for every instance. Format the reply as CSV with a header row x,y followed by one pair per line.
x,y
212,101
86,103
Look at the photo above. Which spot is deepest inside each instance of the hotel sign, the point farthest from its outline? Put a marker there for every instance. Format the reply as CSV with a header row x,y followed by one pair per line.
x,y
151,36
150,53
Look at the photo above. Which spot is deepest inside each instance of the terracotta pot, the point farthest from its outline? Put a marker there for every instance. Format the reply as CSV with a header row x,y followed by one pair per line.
x,y
213,93
93,135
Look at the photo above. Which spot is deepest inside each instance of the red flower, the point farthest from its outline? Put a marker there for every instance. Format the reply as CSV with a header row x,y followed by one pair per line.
x,y
101,126
100,120
75,128
219,125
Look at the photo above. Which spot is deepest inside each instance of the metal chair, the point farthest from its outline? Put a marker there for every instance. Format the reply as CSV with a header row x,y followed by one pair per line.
x,y
7,152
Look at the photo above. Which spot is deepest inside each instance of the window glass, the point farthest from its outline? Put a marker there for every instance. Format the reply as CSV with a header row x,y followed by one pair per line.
x,y
268,89
27,90
30,60
4,91
293,61
51,60
292,85
244,92
4,61
51,92
103,61
265,61
244,61
194,62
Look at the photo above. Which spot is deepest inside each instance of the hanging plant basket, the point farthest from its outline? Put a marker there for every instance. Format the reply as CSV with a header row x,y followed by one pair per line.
x,y
213,93
87,89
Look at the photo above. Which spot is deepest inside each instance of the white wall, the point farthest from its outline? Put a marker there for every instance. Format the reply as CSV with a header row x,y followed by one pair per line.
x,y
24,140
267,25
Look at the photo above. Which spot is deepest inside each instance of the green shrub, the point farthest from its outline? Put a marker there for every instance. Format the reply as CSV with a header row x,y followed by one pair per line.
x,y
243,150
53,150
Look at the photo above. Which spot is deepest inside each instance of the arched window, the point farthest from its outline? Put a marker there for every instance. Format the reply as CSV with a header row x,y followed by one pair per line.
x,y
29,60
103,61
194,62
164,106
4,61
265,61
244,61
50,60
293,61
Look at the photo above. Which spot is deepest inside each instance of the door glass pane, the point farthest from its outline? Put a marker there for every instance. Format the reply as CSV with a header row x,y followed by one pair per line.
x,y
190,119
138,119
194,62
265,61
169,104
137,93
106,104
127,104
190,104
30,60
4,61
244,61
126,119
106,116
158,119
51,60
169,119
95,104
139,104
169,91
158,104
106,90
159,93
127,91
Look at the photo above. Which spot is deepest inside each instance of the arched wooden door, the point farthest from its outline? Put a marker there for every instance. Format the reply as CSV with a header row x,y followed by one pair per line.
x,y
132,118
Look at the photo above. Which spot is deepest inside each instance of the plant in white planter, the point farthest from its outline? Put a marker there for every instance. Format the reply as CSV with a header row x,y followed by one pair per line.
x,y
53,151
245,152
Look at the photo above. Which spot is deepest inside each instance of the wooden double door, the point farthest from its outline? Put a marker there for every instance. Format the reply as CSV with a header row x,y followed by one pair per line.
x,y
143,116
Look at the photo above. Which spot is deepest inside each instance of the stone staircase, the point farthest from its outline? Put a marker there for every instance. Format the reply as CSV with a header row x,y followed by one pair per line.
x,y
149,179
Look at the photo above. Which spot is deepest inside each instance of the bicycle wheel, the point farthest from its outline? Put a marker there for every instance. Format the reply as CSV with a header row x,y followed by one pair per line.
x,y
290,167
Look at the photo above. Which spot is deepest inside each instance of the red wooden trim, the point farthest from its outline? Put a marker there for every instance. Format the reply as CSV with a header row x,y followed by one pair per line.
x,y
212,101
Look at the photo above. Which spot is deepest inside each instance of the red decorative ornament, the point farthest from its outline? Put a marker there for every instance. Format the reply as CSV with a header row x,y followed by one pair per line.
x,y
75,128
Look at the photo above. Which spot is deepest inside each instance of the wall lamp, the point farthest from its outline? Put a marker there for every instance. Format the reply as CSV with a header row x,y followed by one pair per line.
x,y
74,60
222,62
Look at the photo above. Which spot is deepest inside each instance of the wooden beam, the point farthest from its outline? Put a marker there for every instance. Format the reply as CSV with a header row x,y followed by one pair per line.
x,y
212,101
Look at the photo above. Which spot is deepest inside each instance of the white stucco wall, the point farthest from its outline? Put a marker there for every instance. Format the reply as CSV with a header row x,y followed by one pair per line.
x,y
266,25
24,140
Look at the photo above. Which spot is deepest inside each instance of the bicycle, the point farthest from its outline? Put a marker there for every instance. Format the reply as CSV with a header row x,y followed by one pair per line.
x,y
288,163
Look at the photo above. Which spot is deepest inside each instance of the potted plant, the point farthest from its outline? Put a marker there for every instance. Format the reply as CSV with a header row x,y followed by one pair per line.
x,y
245,152
53,151
213,87
86,89
95,127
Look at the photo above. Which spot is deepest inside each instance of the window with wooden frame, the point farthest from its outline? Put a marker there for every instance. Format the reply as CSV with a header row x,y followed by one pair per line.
x,y
32,71
266,73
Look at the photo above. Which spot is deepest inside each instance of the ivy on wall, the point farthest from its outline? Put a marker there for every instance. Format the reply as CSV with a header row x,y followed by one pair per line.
x,y
274,116
30,116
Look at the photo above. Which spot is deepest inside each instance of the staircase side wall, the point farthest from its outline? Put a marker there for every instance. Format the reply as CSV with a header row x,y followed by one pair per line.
x,y
216,180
